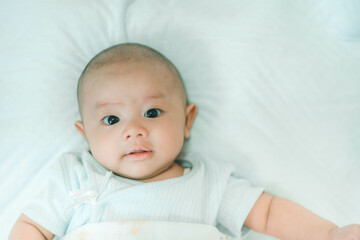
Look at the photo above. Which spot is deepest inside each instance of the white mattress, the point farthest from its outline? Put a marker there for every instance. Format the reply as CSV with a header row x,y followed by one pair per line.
x,y
277,84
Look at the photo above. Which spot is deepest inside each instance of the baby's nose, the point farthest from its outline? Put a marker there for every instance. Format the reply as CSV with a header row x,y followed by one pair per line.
x,y
135,130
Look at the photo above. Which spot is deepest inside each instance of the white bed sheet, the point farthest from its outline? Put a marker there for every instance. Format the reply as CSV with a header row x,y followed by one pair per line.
x,y
277,84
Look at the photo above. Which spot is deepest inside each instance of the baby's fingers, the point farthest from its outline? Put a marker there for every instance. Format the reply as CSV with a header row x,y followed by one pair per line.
x,y
349,232
353,232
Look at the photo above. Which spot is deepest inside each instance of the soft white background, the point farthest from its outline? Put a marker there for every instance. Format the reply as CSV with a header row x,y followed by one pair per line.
x,y
277,83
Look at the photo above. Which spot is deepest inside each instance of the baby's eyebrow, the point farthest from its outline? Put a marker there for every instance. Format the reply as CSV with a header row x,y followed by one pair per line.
x,y
154,96
104,104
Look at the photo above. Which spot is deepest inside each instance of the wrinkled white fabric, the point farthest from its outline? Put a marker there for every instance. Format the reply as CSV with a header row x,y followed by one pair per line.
x,y
146,230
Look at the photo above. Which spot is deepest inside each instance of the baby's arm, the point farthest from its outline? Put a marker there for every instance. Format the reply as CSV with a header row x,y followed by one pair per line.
x,y
25,228
284,219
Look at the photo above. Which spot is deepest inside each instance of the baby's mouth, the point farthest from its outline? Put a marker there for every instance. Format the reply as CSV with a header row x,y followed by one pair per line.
x,y
138,154
137,151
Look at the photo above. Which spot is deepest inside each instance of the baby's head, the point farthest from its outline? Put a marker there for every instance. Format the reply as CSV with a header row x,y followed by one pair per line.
x,y
134,111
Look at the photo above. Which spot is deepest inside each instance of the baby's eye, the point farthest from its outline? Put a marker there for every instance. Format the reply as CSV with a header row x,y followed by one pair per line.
x,y
110,120
153,113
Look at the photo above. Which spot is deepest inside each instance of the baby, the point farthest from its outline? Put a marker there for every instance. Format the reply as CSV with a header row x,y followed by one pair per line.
x,y
135,117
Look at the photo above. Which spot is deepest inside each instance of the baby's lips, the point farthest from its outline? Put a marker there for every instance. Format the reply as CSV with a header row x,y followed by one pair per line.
x,y
139,154
138,150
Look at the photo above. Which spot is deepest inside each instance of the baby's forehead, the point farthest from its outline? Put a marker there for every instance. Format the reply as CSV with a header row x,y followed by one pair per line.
x,y
151,79
158,74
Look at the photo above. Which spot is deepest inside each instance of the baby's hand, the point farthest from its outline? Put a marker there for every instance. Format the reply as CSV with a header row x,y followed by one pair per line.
x,y
350,232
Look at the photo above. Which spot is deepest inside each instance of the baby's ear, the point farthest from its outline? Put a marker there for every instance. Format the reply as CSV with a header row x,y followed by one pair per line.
x,y
190,112
80,127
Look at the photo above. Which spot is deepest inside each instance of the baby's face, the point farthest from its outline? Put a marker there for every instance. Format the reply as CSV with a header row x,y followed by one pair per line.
x,y
134,119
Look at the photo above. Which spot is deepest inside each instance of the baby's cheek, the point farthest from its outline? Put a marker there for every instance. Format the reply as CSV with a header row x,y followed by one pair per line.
x,y
173,139
103,148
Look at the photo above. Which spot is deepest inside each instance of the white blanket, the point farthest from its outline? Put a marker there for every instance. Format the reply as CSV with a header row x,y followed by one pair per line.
x,y
146,230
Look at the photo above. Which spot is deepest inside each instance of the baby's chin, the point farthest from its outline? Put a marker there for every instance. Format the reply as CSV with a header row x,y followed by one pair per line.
x,y
141,178
144,175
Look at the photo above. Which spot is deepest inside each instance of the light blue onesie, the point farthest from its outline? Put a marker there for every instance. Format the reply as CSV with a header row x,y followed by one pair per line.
x,y
79,190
